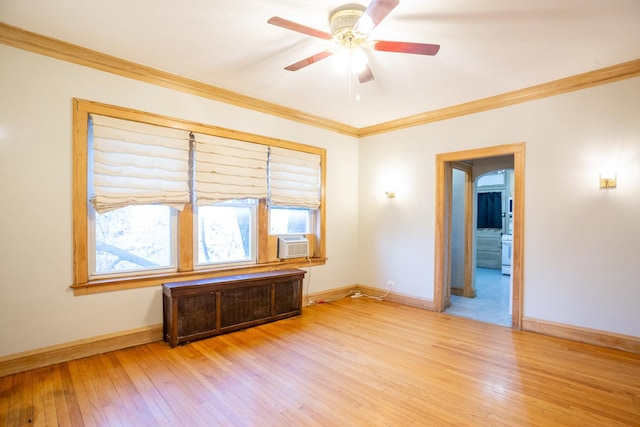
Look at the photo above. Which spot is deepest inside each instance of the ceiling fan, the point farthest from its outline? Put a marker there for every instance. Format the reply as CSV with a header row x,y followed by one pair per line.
x,y
350,26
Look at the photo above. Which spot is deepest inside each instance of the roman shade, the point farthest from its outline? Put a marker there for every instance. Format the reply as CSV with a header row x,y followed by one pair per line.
x,y
294,178
137,164
227,169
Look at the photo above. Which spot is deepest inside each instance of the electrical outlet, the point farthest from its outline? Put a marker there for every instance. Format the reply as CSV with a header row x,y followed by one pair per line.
x,y
390,284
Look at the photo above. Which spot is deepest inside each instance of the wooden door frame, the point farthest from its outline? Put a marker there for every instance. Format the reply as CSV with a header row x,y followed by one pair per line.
x,y
443,222
468,289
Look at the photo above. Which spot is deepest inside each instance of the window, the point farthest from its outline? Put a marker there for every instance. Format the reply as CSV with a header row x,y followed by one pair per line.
x,y
138,174
294,191
226,232
158,199
290,220
133,238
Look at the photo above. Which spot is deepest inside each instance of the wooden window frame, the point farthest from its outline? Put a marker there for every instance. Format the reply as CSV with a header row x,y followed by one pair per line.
x,y
267,259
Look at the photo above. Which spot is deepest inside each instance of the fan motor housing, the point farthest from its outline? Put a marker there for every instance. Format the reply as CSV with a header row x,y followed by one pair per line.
x,y
342,21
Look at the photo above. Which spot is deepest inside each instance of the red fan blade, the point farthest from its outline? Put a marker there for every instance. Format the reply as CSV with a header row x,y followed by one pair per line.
x,y
407,47
293,26
374,14
308,61
365,75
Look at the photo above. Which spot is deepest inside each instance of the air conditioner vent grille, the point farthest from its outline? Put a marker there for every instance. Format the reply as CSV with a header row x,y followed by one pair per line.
x,y
293,247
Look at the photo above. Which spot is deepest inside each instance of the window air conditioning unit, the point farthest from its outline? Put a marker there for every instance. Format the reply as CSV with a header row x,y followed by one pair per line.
x,y
293,247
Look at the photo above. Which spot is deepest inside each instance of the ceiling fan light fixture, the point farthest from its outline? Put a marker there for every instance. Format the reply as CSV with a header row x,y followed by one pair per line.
x,y
358,60
341,60
352,60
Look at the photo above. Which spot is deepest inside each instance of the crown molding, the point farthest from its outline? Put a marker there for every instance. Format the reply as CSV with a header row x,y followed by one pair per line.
x,y
26,40
22,39
586,80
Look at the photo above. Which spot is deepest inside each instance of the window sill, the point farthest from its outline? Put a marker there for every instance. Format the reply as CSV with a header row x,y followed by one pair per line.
x,y
134,282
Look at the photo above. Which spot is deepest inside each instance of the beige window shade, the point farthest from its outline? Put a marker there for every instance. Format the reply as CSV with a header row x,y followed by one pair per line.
x,y
294,178
138,164
227,169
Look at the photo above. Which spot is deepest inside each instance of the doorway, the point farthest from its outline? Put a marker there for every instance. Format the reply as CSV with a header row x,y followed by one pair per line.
x,y
450,281
487,299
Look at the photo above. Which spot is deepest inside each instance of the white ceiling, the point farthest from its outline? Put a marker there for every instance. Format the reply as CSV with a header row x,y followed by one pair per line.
x,y
488,47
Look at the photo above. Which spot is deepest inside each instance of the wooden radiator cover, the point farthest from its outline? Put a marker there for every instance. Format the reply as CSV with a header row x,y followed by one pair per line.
x,y
203,308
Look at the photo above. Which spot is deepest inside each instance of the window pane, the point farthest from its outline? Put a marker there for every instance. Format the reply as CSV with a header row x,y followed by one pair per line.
x,y
133,238
225,233
289,221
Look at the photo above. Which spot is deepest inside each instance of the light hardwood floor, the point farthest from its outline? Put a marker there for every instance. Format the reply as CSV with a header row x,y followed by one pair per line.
x,y
355,362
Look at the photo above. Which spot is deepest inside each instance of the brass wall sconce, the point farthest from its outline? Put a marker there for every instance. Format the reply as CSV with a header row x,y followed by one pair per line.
x,y
608,180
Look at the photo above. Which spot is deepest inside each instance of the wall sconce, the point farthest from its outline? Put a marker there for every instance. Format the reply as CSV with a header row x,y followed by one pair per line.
x,y
391,194
608,180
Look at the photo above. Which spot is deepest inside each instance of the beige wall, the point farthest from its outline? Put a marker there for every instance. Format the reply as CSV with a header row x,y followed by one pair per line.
x,y
581,243
37,308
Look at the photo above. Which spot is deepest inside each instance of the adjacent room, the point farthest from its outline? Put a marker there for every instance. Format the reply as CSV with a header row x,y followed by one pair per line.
x,y
320,213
